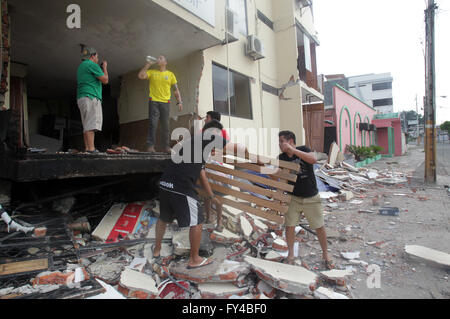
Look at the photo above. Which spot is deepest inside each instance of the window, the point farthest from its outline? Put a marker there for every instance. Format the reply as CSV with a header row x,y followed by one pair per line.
x,y
240,7
240,101
382,86
383,102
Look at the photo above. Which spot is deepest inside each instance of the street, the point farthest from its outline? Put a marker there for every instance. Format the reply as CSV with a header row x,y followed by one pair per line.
x,y
421,222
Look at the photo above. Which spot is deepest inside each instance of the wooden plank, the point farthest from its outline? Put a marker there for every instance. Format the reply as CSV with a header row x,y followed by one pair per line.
x,y
247,208
251,188
253,199
275,172
253,178
267,160
23,266
279,173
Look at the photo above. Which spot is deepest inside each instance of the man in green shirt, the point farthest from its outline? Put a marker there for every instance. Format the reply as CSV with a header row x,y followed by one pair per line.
x,y
89,95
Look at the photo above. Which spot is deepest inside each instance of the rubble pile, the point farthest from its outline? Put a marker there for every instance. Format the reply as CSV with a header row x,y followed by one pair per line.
x,y
114,259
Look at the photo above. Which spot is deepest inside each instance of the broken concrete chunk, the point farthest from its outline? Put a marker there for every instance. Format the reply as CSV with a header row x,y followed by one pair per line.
x,y
345,195
110,292
336,276
134,284
138,264
290,279
273,256
220,290
225,237
246,227
218,271
266,289
280,245
351,255
429,254
324,293
359,262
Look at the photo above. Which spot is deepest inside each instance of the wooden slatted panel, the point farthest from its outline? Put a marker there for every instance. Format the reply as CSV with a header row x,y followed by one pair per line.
x,y
267,160
284,174
251,177
251,188
271,216
256,200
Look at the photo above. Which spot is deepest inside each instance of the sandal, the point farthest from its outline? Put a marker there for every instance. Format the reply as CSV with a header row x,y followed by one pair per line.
x,y
329,264
219,228
202,264
157,259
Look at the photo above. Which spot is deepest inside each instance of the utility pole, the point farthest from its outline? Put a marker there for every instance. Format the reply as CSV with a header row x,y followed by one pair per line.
x,y
430,90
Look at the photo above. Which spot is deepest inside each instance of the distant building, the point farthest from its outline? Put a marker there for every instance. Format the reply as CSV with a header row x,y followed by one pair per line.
x,y
373,89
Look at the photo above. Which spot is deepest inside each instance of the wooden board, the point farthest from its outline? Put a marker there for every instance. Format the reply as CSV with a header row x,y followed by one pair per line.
x,y
251,188
266,160
23,266
271,180
251,177
271,216
258,201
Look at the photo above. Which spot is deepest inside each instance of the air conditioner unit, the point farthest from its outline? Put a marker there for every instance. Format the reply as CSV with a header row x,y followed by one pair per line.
x,y
232,25
363,126
254,48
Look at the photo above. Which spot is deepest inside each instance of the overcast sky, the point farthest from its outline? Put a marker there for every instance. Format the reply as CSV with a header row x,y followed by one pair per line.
x,y
378,36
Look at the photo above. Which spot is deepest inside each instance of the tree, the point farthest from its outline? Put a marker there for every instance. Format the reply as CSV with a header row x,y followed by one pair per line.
x,y
446,127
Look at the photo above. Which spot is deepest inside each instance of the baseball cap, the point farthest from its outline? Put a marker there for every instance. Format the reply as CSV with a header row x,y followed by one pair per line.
x,y
88,52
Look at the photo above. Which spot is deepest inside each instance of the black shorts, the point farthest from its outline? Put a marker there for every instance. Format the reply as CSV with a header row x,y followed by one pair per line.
x,y
185,209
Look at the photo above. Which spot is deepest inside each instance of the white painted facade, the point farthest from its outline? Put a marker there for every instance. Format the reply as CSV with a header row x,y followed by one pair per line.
x,y
363,87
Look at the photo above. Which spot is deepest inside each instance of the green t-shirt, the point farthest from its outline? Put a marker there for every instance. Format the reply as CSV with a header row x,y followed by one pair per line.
x,y
88,83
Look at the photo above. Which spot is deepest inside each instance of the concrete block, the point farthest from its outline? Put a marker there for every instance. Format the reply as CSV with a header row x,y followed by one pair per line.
x,y
246,227
134,284
288,278
345,195
429,254
336,276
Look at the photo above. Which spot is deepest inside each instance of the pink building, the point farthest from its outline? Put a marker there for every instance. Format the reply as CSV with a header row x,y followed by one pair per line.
x,y
389,133
348,113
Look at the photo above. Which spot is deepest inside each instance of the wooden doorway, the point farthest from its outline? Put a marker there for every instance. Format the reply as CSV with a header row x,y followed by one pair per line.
x,y
313,123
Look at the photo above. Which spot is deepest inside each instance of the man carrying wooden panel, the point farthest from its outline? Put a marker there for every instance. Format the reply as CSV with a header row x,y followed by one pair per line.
x,y
305,197
178,195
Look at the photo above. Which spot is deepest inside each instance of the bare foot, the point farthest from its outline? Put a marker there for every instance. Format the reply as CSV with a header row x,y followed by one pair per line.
x,y
151,149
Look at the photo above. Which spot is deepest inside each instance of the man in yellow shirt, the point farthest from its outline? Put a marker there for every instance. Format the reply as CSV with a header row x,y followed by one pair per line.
x,y
161,81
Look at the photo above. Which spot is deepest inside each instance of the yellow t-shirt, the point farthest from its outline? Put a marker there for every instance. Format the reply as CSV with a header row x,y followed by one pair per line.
x,y
160,84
